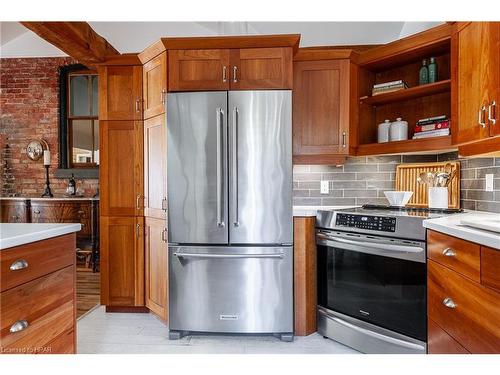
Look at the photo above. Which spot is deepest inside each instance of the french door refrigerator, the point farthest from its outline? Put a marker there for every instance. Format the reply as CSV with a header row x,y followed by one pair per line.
x,y
229,182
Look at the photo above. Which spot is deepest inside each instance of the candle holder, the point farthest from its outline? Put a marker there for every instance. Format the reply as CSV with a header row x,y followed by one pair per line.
x,y
47,192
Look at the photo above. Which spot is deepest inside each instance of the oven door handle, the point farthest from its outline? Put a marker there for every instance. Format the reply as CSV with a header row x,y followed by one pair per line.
x,y
378,336
228,256
372,245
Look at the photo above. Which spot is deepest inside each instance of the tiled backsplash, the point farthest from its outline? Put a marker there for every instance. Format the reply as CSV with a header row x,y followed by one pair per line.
x,y
363,180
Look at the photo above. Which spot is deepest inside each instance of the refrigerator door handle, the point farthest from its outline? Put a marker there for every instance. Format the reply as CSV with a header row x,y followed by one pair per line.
x,y
234,150
220,182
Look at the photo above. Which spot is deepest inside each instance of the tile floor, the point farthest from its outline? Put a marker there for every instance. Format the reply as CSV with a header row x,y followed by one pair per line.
x,y
99,332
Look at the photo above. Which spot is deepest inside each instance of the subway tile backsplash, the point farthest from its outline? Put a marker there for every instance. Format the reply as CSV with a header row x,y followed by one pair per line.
x,y
362,180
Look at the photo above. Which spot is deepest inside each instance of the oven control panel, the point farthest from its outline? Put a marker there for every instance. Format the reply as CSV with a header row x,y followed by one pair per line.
x,y
378,223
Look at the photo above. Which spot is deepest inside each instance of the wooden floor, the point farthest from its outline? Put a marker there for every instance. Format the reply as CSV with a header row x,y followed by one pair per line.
x,y
88,290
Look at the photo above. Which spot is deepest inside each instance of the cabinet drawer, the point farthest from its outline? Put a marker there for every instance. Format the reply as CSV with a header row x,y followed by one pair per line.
x,y
439,342
46,307
39,258
469,312
459,255
62,344
490,266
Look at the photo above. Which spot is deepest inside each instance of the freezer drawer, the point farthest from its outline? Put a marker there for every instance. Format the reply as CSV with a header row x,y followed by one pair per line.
x,y
231,289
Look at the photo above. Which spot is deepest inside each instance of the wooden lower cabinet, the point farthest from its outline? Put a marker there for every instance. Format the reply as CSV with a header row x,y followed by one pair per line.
x,y
122,261
464,308
14,210
39,299
156,264
305,290
440,342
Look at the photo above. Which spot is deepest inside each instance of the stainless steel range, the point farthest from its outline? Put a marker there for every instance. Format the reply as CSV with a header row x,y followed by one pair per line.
x,y
372,277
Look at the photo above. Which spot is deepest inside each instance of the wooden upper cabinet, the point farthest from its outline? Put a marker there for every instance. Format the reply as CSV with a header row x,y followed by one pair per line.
x,y
494,109
154,81
475,52
156,262
121,170
320,109
198,70
120,93
122,261
155,167
261,68
230,69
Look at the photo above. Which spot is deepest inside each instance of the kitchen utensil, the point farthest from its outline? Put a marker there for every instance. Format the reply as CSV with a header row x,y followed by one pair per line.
x,y
422,178
431,178
398,198
442,179
448,168
452,176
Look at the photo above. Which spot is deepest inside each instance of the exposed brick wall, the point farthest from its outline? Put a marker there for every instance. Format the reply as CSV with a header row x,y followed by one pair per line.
x,y
29,109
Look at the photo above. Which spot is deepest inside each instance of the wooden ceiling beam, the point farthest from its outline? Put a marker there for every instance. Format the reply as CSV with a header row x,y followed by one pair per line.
x,y
77,39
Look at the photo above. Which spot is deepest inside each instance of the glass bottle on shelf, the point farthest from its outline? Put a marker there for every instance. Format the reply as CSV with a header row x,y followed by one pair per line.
x,y
423,76
433,73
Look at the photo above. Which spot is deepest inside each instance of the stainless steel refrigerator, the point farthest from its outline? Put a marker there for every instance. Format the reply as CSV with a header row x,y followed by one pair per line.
x,y
229,182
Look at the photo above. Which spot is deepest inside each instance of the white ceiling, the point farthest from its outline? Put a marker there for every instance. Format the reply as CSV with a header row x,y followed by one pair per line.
x,y
17,41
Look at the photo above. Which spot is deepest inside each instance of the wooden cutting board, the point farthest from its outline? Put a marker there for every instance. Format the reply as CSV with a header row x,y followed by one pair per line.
x,y
406,180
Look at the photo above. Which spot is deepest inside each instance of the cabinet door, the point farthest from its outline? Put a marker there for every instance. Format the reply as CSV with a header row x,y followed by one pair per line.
x,y
198,70
154,81
122,261
121,169
120,93
155,167
474,80
13,211
440,342
261,68
156,261
321,107
495,80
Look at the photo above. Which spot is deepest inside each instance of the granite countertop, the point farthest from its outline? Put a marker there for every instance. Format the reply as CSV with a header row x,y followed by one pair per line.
x,y
12,235
312,210
56,198
452,226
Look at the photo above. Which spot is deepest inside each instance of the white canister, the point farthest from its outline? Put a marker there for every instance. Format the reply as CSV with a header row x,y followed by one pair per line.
x,y
438,197
398,130
383,131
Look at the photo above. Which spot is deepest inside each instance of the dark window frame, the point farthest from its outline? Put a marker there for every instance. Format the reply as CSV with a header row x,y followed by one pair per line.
x,y
65,167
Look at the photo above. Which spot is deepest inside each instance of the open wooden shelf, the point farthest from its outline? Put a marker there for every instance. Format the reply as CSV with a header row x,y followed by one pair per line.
x,y
406,147
407,94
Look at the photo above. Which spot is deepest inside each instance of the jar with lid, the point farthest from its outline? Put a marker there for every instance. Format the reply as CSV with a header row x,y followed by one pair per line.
x,y
383,131
398,130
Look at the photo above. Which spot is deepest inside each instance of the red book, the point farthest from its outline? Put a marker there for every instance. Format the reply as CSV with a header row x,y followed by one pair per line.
x,y
430,127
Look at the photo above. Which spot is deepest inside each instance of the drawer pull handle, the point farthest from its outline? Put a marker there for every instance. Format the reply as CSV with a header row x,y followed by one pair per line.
x,y
19,264
18,326
449,303
448,252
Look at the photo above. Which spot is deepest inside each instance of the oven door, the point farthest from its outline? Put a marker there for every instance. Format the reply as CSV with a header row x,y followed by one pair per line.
x,y
378,280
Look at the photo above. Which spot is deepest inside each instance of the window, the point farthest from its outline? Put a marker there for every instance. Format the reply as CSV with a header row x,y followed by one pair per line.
x,y
82,121
78,122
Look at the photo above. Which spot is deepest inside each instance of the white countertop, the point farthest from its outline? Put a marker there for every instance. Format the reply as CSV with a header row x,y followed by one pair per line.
x,y
62,198
19,234
452,226
312,210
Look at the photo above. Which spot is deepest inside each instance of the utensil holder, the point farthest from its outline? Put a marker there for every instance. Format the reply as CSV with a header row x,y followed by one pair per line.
x,y
438,197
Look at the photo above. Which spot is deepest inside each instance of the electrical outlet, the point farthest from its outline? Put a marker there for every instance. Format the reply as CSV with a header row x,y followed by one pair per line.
x,y
324,187
489,181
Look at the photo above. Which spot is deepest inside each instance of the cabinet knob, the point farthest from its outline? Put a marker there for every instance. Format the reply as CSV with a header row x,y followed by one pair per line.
x,y
344,136
18,326
164,235
449,252
449,303
163,95
224,73
19,264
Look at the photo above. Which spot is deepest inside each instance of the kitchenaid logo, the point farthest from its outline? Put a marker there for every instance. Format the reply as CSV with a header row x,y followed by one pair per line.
x,y
228,317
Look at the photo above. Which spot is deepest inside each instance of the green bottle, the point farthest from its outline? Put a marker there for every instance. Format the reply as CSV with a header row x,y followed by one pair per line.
x,y
433,70
423,75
